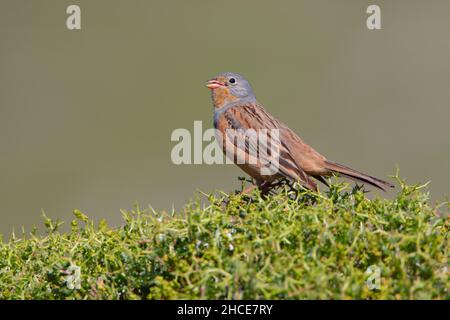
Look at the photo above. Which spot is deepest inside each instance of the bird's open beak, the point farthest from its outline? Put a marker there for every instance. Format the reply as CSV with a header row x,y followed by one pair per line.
x,y
213,84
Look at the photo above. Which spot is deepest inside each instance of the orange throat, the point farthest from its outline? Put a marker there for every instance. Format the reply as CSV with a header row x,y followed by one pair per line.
x,y
222,96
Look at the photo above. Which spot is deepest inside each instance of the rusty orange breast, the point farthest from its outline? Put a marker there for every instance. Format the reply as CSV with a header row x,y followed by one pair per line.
x,y
222,96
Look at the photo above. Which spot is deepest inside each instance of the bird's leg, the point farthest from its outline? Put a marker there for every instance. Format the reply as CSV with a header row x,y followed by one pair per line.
x,y
265,188
279,183
250,188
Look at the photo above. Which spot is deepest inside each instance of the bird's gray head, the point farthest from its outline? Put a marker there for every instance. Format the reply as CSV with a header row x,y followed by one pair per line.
x,y
230,87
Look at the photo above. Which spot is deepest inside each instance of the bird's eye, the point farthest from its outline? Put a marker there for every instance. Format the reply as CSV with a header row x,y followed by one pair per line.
x,y
232,80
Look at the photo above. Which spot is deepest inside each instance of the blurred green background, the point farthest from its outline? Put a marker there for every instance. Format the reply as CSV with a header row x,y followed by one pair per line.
x,y
86,116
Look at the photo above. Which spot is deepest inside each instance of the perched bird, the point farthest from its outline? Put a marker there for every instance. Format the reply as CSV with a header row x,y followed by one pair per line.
x,y
236,108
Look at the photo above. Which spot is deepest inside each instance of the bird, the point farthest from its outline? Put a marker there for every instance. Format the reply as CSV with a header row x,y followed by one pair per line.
x,y
237,110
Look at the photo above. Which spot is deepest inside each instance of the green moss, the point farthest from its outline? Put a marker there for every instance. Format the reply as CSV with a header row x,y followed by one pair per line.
x,y
298,245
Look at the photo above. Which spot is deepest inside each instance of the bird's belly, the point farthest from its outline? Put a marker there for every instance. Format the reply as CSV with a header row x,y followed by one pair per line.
x,y
254,171
249,163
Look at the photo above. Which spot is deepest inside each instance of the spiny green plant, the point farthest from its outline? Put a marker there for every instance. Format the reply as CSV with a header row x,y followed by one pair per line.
x,y
295,244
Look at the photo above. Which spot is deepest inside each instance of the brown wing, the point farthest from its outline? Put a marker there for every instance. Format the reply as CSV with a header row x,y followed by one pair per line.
x,y
298,160
305,157
255,117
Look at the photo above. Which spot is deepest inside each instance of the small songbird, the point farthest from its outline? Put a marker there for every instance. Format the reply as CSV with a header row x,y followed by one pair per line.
x,y
236,108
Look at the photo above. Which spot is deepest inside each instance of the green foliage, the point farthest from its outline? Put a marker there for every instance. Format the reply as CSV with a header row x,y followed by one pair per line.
x,y
293,245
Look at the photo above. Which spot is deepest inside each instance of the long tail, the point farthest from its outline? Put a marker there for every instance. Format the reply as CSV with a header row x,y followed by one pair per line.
x,y
356,175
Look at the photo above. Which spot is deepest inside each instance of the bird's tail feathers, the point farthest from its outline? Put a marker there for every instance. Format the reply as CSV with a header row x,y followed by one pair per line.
x,y
350,173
